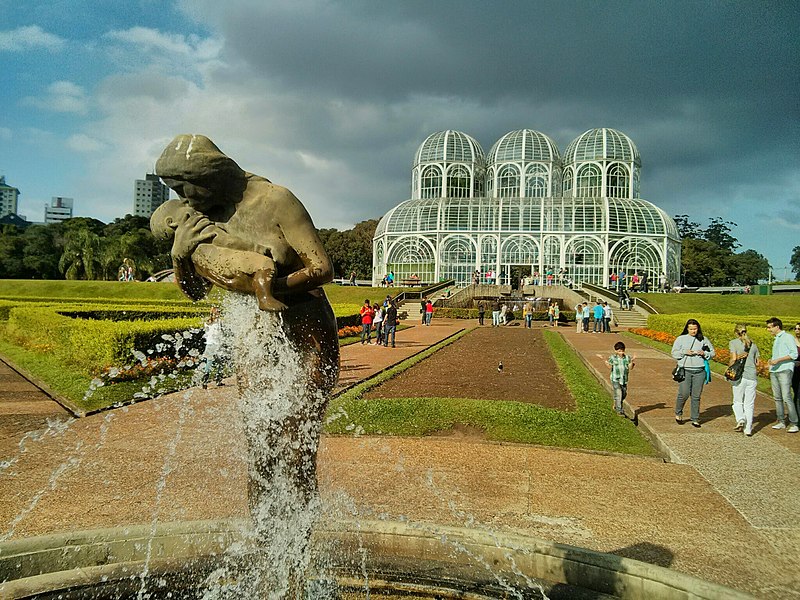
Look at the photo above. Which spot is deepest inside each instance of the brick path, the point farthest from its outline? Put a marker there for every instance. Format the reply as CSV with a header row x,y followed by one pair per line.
x,y
724,509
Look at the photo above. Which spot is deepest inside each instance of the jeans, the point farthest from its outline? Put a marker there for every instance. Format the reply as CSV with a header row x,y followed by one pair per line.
x,y
607,324
782,392
389,330
428,317
598,325
366,332
215,364
529,320
744,399
495,318
378,332
586,324
620,393
480,318
691,386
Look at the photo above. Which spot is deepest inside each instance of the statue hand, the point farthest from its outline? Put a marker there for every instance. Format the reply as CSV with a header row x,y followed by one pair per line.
x,y
190,234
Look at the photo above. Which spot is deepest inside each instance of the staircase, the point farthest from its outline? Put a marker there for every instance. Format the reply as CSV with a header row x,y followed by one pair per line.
x,y
628,318
635,317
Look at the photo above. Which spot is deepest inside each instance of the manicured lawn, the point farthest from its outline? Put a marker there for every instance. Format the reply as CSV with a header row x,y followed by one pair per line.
x,y
89,289
594,425
731,304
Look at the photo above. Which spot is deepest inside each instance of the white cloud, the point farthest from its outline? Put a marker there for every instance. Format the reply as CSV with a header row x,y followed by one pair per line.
x,y
63,97
83,143
30,37
171,44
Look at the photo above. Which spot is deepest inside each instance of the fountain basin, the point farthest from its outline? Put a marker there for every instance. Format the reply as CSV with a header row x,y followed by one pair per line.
x,y
412,561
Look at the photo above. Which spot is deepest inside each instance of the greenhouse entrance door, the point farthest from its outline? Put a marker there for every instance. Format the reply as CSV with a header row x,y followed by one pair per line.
x,y
517,272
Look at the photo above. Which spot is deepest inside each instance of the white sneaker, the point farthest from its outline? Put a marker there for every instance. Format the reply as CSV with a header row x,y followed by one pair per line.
x,y
779,425
793,429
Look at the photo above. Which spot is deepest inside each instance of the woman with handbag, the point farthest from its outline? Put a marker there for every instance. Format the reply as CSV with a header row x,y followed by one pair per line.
x,y
691,349
741,373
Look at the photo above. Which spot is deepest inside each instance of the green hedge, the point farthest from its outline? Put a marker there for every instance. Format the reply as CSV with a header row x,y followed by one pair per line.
x,y
719,327
91,344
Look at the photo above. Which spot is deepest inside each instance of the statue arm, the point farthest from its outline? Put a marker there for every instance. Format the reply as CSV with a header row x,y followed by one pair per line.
x,y
189,235
301,235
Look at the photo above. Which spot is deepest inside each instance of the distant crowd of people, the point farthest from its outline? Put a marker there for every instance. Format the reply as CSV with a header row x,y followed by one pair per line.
x,y
381,319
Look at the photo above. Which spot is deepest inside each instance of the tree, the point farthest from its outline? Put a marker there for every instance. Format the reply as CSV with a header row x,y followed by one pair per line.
x,y
687,228
795,262
81,258
41,252
350,250
748,267
704,263
11,246
720,234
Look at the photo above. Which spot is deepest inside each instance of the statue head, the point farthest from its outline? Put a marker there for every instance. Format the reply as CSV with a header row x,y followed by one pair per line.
x,y
197,170
168,216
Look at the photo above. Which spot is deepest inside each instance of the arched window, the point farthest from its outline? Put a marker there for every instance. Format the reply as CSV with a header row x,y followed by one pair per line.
x,y
536,181
458,182
589,182
617,182
431,182
520,250
457,259
566,186
412,255
508,182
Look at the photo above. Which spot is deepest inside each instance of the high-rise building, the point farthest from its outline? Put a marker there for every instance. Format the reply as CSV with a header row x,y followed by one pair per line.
x,y
149,193
60,209
8,198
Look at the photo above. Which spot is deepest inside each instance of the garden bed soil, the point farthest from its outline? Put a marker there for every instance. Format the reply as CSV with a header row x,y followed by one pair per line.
x,y
468,368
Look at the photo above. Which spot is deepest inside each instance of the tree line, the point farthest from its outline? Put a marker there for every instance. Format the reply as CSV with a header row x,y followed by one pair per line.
x,y
709,257
85,248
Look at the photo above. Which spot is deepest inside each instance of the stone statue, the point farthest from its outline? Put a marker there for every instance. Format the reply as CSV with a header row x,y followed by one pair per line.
x,y
242,232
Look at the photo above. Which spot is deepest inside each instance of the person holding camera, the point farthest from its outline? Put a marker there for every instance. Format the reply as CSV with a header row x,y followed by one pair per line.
x,y
691,349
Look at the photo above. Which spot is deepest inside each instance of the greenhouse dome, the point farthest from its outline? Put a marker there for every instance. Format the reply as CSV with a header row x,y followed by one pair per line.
x,y
579,215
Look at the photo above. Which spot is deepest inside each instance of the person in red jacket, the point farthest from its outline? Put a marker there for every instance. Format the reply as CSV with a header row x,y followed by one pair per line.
x,y
428,312
366,313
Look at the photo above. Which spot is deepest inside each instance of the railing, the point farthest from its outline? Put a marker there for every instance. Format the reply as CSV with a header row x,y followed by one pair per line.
x,y
609,295
422,292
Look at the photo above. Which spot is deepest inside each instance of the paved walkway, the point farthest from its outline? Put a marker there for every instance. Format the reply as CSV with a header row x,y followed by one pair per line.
x,y
724,508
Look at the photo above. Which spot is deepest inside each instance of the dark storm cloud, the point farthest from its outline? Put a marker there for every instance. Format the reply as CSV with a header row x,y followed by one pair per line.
x,y
707,90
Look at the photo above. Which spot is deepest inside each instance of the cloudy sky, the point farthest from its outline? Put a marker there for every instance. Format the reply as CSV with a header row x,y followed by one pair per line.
x,y
331,98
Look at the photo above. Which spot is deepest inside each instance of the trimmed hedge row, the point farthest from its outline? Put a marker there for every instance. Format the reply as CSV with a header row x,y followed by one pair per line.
x,y
719,328
93,344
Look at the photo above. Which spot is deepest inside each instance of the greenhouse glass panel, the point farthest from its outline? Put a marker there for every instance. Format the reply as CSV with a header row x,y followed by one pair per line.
x,y
427,217
412,255
641,256
457,215
510,215
520,250
531,214
584,260
431,182
488,253
458,182
457,259
508,182
487,218
566,184
551,252
618,183
589,182
536,177
588,215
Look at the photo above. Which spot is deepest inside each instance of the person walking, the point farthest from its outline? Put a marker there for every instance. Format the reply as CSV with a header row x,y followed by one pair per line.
x,y
585,314
621,365
422,306
527,312
556,313
481,312
796,376
496,309
390,324
366,313
744,388
608,314
428,313
691,349
597,313
377,323
781,370
551,313
578,317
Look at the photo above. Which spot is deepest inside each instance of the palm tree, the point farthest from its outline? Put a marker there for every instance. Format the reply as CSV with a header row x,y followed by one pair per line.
x,y
81,256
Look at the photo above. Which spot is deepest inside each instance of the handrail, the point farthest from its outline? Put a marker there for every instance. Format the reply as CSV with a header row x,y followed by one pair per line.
x,y
426,291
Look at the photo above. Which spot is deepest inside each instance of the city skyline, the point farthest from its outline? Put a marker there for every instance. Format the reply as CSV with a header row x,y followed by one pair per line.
x,y
330,99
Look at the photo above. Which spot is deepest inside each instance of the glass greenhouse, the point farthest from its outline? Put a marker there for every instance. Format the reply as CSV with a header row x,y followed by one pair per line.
x,y
524,209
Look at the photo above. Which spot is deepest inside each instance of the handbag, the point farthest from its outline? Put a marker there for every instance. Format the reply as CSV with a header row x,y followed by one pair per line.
x,y
679,373
734,371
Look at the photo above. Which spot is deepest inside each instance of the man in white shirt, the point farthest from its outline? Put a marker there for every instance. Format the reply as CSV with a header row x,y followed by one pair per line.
x,y
781,369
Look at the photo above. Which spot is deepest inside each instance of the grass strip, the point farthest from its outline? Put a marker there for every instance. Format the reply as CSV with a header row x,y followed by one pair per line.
x,y
593,426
